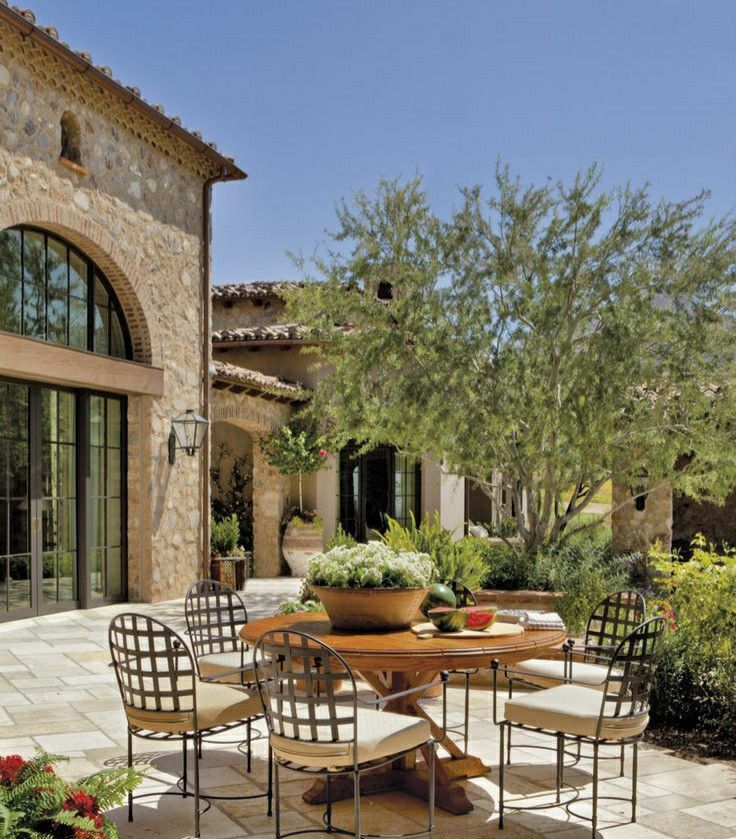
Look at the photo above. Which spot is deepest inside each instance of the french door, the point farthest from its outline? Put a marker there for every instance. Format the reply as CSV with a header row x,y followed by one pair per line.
x,y
61,499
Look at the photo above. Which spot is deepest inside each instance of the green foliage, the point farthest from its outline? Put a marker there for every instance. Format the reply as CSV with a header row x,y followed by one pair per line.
x,y
506,527
559,335
231,478
460,561
373,565
224,536
36,803
695,684
341,539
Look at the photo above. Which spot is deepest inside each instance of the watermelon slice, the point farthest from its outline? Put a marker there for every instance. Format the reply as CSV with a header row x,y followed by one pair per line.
x,y
447,619
479,617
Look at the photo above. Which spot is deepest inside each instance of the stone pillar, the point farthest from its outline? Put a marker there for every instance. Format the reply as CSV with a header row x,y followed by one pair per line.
x,y
638,530
270,491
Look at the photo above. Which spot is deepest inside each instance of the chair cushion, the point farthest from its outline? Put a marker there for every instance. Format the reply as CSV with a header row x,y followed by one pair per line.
x,y
212,665
550,672
216,705
380,734
572,709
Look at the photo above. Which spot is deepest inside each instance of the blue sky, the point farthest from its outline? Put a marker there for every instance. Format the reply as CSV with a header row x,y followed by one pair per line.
x,y
317,97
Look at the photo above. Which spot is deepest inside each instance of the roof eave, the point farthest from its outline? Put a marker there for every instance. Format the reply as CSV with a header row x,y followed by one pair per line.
x,y
229,170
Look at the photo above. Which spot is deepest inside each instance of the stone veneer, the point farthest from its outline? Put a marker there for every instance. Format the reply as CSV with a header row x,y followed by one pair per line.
x,y
138,214
635,530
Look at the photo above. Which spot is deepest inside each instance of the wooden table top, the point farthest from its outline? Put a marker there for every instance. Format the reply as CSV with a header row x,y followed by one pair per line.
x,y
402,650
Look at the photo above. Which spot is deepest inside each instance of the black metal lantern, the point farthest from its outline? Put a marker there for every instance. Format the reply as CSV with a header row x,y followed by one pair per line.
x,y
188,431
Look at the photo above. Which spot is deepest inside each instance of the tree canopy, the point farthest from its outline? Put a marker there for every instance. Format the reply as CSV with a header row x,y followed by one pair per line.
x,y
562,335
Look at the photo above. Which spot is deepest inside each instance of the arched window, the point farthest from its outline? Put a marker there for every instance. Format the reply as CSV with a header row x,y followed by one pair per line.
x,y
71,138
50,290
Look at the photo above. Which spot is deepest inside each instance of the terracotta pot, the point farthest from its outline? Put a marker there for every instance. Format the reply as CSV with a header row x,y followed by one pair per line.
x,y
300,543
370,608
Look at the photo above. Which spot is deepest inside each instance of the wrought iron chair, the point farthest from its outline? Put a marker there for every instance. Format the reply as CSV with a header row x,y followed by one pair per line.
x,y
317,731
610,621
164,698
614,714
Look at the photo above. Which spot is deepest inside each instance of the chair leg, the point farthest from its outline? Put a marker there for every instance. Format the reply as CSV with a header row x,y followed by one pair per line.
x,y
130,766
634,777
196,743
277,791
595,788
501,731
199,742
560,759
467,710
621,763
269,796
356,795
184,767
431,774
248,733
508,747
328,810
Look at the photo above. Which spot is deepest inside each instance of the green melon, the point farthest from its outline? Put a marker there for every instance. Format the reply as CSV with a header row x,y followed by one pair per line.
x,y
447,619
438,595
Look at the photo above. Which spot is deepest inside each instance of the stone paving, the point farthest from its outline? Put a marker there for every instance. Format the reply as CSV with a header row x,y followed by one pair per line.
x,y
57,691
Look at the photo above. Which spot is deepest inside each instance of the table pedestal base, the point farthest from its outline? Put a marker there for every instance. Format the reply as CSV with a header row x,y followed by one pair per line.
x,y
449,796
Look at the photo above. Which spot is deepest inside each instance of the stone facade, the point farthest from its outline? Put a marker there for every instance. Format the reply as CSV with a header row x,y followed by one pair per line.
x,y
716,522
638,530
136,209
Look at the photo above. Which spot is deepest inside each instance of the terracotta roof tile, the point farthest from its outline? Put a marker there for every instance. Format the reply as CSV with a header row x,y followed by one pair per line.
x,y
255,380
268,332
242,291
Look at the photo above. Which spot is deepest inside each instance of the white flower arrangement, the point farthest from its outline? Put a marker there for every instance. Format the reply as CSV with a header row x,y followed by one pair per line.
x,y
373,565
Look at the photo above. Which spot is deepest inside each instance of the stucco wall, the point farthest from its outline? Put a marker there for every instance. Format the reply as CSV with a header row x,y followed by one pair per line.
x,y
138,214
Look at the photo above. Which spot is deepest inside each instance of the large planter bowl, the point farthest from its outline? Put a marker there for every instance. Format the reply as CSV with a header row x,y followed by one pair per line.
x,y
300,543
370,608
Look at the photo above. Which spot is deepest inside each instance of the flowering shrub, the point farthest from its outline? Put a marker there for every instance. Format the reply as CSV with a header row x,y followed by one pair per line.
x,y
370,566
36,802
695,684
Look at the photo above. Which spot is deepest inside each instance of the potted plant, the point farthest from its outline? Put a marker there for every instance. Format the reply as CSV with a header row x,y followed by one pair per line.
x,y
297,449
227,557
370,586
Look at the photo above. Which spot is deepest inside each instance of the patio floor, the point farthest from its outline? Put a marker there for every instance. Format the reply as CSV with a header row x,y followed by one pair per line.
x,y
57,691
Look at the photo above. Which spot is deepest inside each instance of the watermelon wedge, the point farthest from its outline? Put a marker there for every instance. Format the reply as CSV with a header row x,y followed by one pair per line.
x,y
479,617
447,619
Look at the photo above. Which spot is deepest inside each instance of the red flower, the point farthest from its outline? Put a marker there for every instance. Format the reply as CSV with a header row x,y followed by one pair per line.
x,y
10,769
322,453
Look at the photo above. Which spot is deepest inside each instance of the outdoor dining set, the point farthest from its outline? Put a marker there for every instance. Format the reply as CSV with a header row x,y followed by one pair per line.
x,y
299,676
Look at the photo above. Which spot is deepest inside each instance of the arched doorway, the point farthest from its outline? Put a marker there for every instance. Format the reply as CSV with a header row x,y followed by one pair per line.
x,y
62,450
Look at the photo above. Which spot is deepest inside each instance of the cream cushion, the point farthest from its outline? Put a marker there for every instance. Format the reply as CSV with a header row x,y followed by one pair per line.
x,y
550,672
216,705
380,734
572,709
212,665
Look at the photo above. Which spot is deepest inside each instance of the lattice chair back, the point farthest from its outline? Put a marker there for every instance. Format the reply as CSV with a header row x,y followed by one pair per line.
x,y
153,666
298,677
215,614
610,622
463,595
625,703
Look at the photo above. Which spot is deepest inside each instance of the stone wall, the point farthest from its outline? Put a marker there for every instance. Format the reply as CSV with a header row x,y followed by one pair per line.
x,y
716,522
234,314
137,212
635,530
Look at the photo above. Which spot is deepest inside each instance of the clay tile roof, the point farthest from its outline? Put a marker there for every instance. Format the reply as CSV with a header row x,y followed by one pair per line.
x,y
270,332
258,383
24,20
242,291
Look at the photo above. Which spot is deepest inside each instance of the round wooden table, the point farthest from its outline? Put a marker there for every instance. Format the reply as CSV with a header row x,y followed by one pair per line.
x,y
392,662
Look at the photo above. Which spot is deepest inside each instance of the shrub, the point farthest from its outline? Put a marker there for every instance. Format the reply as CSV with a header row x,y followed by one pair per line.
x,y
695,684
341,539
231,479
373,565
224,536
35,801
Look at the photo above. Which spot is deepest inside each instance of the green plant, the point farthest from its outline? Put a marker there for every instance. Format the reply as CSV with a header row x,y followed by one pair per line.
x,y
506,528
695,684
231,482
460,561
224,537
373,565
341,539
37,803
296,449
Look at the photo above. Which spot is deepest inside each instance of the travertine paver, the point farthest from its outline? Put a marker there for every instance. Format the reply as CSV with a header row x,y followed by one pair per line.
x,y
57,691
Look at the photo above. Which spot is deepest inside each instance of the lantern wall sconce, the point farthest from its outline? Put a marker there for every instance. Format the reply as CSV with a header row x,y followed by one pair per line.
x,y
188,431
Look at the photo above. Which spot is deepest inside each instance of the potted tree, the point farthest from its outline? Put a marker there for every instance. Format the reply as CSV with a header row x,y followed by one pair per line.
x,y
298,449
370,586
227,558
